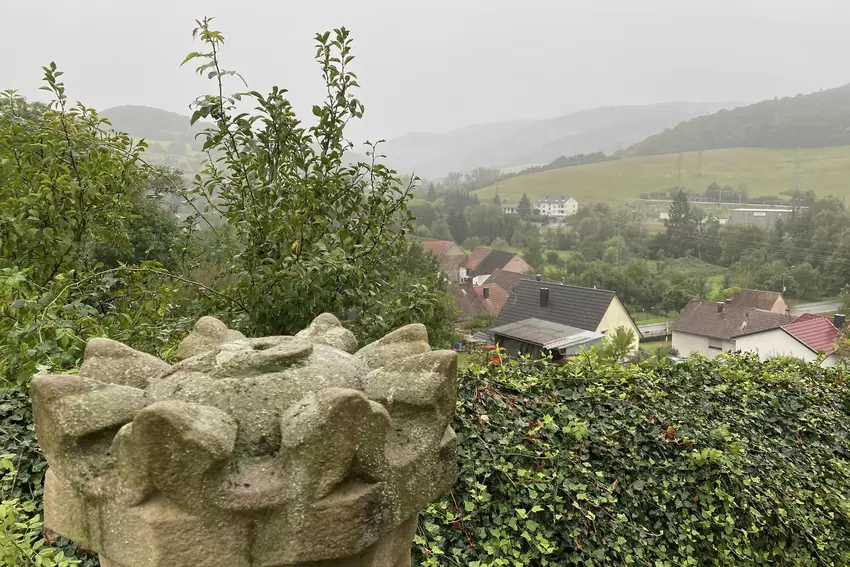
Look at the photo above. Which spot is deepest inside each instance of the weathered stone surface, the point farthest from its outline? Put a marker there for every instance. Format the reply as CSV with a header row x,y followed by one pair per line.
x,y
207,333
401,343
115,363
327,330
279,451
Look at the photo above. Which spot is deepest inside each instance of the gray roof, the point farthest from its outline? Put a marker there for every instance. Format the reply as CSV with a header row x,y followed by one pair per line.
x,y
580,307
495,260
703,318
545,333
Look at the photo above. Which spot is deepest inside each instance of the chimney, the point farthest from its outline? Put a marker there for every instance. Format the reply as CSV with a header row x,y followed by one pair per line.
x,y
486,293
539,278
720,305
728,301
838,320
544,296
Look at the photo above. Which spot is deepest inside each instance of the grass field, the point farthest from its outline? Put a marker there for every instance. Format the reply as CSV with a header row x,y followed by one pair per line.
x,y
765,171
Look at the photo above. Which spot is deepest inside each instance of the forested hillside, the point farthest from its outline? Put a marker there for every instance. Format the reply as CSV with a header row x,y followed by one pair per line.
x,y
807,121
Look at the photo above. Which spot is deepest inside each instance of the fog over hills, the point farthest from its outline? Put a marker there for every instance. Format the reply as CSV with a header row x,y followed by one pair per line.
x,y
529,142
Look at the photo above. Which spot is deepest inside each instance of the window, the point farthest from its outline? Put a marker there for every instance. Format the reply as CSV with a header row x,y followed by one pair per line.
x,y
715,344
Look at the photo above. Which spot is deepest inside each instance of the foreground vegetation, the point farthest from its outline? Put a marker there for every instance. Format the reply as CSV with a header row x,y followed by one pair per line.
x,y
725,462
281,229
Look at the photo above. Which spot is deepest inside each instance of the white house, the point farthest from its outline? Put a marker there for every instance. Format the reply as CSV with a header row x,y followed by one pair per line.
x,y
510,208
709,328
805,338
556,206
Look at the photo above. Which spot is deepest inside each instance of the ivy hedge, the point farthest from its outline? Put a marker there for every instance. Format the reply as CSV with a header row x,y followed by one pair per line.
x,y
724,462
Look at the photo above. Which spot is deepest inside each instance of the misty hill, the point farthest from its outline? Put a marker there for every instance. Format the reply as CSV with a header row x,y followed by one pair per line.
x,y
820,119
530,142
153,123
170,135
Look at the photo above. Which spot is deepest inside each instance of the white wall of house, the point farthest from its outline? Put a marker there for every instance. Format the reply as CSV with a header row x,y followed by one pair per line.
x,y
571,207
616,317
687,344
771,344
777,342
478,280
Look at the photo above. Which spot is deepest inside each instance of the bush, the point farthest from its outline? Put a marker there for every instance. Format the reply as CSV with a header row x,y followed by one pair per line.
x,y
724,462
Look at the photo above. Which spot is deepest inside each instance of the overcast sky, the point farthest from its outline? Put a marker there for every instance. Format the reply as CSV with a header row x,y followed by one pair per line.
x,y
437,65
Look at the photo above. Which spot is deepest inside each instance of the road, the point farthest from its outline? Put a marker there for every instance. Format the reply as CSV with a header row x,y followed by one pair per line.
x,y
816,307
655,330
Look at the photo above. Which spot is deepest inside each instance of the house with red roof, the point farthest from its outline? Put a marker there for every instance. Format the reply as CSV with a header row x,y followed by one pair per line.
x,y
452,258
805,338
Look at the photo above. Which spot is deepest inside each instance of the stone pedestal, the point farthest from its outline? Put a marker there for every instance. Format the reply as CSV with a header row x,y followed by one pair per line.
x,y
273,452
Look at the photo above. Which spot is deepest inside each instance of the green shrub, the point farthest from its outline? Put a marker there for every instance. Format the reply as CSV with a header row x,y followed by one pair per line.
x,y
724,462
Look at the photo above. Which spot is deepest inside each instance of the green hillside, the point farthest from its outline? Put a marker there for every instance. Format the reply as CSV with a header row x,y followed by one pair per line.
x,y
814,120
765,171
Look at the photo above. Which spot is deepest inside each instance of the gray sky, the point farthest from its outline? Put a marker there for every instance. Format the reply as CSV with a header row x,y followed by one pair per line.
x,y
436,65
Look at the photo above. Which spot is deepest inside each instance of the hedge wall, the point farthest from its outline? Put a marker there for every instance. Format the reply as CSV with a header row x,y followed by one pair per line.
x,y
724,462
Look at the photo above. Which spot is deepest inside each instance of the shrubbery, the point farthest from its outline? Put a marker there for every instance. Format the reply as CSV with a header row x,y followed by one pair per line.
x,y
724,462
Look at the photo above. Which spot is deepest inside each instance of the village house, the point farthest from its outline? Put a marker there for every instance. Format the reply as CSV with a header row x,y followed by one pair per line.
x,y
570,307
709,328
482,262
556,206
450,256
510,208
759,299
805,338
497,288
469,304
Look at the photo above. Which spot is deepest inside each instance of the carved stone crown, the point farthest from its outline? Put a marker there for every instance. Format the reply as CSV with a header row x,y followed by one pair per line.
x,y
277,451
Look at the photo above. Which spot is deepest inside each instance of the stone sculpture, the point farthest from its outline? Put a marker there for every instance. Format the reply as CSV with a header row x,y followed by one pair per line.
x,y
276,451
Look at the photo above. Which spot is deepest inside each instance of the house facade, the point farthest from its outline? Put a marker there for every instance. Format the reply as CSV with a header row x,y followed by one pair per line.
x,y
556,206
596,310
510,208
709,329
808,338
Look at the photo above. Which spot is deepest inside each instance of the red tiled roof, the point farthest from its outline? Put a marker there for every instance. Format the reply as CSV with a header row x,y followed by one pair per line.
x,y
816,332
437,247
468,303
498,297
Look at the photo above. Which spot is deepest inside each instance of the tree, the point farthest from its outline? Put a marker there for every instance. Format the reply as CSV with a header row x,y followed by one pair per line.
x,y
423,211
681,229
440,230
432,193
66,180
318,234
497,200
524,207
484,220
457,226
618,346
534,252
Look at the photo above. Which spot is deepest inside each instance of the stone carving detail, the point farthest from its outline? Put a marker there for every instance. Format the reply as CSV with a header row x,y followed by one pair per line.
x,y
273,452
